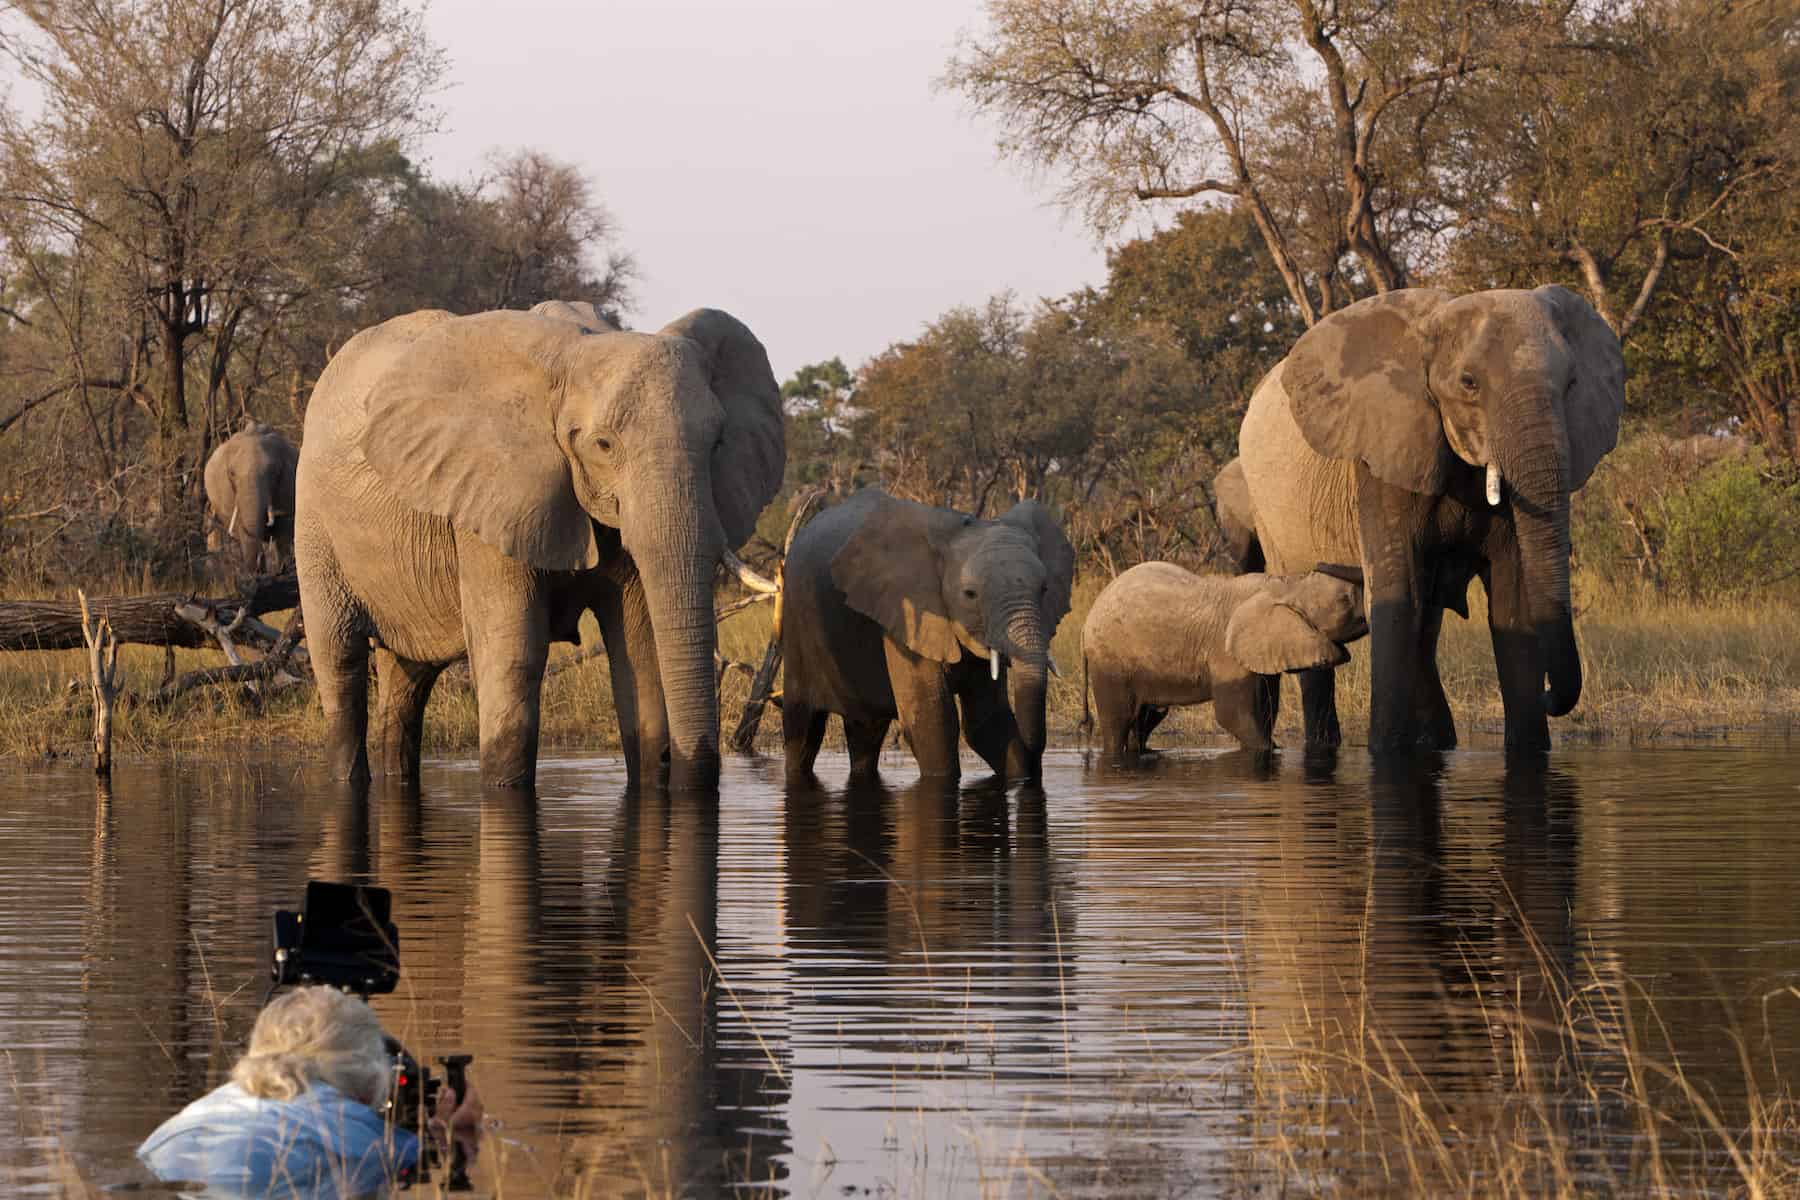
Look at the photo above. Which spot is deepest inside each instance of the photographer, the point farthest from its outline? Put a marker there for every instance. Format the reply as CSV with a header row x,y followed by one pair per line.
x,y
299,1116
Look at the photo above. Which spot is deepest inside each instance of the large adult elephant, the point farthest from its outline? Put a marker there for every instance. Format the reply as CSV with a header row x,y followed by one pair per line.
x,y
250,496
1433,438
474,484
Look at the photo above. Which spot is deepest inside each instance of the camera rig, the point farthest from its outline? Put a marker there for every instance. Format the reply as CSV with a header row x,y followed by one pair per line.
x,y
342,937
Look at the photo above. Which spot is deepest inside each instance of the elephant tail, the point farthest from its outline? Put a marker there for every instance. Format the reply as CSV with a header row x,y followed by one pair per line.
x,y
1087,718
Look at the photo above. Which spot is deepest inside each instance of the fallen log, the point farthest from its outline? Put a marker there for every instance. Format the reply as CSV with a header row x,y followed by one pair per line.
x,y
272,669
152,620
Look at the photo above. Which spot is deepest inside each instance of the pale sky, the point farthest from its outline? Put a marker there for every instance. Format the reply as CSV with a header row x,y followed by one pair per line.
x,y
790,161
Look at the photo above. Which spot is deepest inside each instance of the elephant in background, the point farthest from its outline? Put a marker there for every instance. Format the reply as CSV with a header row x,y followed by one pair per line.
x,y
1237,520
1159,636
473,485
896,610
1433,438
250,498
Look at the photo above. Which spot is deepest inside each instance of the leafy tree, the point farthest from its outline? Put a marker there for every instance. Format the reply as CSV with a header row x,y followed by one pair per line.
x,y
1321,120
203,164
823,450
528,230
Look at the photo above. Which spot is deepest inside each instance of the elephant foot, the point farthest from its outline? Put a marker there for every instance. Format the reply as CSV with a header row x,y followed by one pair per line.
x,y
350,764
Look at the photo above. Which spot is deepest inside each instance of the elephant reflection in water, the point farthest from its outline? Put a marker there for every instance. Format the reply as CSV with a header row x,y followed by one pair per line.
x,y
920,882
1386,942
590,1002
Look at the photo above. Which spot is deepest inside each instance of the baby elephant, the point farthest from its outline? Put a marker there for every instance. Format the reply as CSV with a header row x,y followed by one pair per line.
x,y
894,610
1160,636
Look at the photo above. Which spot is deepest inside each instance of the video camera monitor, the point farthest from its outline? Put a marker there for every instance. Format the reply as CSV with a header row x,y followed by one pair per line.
x,y
341,937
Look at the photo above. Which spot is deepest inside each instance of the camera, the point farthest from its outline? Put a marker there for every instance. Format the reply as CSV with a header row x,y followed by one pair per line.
x,y
342,937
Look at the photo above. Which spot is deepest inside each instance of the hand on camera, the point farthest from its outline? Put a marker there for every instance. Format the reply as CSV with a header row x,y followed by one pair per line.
x,y
459,1117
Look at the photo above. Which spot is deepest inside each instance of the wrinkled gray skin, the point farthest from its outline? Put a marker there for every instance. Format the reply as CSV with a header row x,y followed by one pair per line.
x,y
474,484
1369,443
1160,636
250,499
892,610
1237,520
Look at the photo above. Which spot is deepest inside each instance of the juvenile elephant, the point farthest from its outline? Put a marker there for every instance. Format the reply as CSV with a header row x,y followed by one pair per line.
x,y
1432,438
474,484
897,610
250,497
1159,636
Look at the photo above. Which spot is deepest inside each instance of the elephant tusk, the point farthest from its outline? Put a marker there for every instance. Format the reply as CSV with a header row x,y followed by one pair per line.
x,y
232,528
748,577
1493,486
1054,669
994,665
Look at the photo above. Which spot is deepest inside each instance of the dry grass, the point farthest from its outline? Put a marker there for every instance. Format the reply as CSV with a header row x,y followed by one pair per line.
x,y
1653,669
1585,1094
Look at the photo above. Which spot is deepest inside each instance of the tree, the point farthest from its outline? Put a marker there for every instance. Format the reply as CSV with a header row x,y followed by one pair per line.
x,y
1660,177
1677,114
819,400
206,163
1318,119
528,230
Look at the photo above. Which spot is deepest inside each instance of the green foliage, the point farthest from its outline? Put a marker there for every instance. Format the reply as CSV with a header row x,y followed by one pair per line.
x,y
1702,518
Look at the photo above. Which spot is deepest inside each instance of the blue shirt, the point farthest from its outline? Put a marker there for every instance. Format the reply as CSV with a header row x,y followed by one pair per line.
x,y
319,1144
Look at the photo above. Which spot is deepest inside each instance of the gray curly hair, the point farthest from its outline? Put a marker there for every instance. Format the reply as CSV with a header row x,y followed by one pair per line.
x,y
315,1034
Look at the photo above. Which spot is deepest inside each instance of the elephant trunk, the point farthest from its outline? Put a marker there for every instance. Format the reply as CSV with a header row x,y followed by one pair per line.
x,y
677,558
1022,641
1536,467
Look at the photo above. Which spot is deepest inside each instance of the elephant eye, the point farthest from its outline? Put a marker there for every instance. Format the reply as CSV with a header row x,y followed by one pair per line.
x,y
605,444
969,593
1468,382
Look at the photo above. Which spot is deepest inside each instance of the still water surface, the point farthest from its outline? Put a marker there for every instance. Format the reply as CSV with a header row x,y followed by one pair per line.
x,y
916,991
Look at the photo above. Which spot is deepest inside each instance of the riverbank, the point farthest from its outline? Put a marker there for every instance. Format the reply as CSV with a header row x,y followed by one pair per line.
x,y
1653,670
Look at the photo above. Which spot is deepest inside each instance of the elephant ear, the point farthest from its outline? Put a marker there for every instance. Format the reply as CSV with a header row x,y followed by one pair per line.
x,y
891,571
1597,400
1356,386
577,312
459,426
748,467
1268,638
1054,551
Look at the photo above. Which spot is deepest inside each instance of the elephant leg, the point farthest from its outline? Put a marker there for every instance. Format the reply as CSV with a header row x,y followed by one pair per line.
x,y
1395,584
339,649
927,710
1518,654
1318,704
864,739
1149,716
506,624
1432,718
1115,716
643,715
990,730
403,687
802,733
1241,706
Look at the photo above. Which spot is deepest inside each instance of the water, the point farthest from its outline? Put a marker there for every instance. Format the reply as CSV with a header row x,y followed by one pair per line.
x,y
1149,983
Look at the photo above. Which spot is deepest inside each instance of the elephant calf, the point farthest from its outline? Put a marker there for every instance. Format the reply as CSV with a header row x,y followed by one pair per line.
x,y
1160,636
896,610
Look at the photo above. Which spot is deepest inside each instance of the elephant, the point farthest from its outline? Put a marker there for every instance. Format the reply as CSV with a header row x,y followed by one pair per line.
x,y
1432,438
895,609
250,496
474,484
1159,636
1237,521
